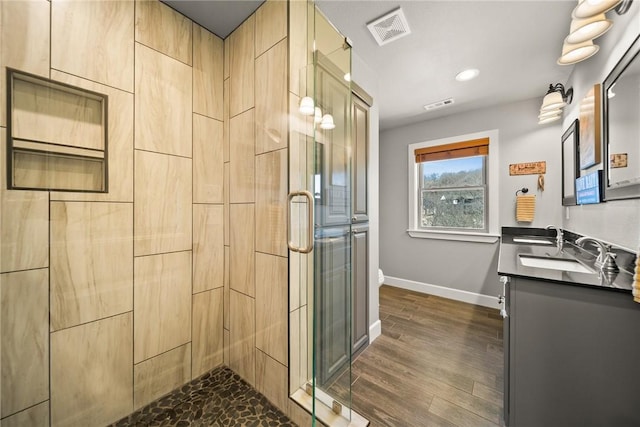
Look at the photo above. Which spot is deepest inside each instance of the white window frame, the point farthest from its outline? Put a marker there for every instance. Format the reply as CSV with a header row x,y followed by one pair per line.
x,y
493,191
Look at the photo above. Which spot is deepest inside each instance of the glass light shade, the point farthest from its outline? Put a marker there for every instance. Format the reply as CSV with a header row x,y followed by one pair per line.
x,y
589,8
549,119
573,53
317,118
327,122
552,101
549,113
306,107
588,29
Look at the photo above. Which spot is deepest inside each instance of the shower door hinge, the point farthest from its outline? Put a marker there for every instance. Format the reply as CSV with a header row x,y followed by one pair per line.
x,y
336,407
308,388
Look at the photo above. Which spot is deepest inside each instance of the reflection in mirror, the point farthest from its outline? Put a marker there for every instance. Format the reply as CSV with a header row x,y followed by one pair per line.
x,y
570,169
621,99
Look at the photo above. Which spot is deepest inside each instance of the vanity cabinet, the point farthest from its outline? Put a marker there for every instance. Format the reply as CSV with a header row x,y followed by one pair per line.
x,y
359,153
572,356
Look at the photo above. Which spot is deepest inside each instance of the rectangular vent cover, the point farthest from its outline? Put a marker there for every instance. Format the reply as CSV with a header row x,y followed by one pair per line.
x,y
438,104
389,27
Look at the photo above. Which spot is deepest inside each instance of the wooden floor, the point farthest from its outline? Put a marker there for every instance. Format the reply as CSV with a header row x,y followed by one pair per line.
x,y
438,362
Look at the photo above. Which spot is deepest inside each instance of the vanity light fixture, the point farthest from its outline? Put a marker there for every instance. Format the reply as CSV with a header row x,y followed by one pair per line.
x,y
347,77
306,107
466,75
553,103
317,117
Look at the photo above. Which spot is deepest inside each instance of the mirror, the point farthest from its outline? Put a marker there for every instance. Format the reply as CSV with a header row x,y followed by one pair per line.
x,y
622,127
570,165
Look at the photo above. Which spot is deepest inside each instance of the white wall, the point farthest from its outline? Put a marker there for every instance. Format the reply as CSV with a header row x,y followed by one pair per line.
x,y
464,266
617,221
368,80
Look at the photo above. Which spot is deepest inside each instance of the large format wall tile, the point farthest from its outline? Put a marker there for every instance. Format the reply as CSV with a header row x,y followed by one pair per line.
x,y
208,165
272,99
297,46
271,24
207,73
163,103
272,380
91,261
24,42
241,67
36,416
120,144
241,156
163,29
24,339
207,331
24,221
91,375
242,351
227,288
271,306
299,365
208,247
241,265
94,40
271,203
162,303
162,207
227,50
226,169
225,115
159,375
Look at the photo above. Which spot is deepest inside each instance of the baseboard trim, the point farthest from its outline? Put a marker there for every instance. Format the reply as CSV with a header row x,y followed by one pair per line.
x,y
441,291
375,330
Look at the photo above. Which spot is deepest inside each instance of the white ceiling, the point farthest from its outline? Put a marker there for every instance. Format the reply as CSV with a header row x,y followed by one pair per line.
x,y
514,44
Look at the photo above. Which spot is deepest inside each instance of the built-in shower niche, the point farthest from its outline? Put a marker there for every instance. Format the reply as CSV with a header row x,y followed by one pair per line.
x,y
57,136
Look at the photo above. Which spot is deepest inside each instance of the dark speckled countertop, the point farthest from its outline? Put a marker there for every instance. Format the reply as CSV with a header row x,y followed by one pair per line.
x,y
509,262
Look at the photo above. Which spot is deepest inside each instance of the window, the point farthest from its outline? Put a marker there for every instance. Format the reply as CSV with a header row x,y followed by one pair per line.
x,y
452,194
453,188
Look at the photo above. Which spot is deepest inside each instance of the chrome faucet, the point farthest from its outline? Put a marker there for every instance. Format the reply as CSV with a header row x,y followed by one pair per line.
x,y
559,235
606,259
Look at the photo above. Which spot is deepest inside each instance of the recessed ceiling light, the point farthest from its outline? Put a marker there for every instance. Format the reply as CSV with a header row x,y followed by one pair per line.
x,y
467,75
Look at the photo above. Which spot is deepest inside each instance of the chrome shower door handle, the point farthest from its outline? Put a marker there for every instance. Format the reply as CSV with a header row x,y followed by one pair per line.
x,y
309,247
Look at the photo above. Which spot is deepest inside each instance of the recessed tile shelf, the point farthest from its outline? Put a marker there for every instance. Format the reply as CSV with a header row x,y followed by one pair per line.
x,y
57,136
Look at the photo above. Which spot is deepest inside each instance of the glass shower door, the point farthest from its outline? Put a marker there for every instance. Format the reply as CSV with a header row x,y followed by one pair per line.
x,y
320,241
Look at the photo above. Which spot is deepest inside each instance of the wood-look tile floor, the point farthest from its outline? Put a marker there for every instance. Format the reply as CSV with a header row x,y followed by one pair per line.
x,y
438,362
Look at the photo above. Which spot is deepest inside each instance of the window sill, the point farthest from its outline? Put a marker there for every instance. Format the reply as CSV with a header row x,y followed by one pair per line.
x,y
462,236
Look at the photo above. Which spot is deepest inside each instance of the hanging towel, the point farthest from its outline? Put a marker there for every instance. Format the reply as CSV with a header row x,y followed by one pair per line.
x,y
525,207
636,280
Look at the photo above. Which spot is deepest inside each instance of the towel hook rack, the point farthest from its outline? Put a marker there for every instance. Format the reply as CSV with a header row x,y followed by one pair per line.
x,y
523,190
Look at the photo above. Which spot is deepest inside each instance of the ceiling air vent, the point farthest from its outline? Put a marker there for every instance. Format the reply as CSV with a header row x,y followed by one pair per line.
x,y
389,27
438,104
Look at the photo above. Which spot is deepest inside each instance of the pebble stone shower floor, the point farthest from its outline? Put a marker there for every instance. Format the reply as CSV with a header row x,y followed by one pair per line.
x,y
219,398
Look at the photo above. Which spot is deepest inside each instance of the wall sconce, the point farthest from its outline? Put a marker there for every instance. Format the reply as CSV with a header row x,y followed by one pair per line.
x,y
553,103
589,22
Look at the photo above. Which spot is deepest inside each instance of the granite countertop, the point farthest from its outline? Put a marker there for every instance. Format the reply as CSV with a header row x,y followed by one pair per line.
x,y
509,263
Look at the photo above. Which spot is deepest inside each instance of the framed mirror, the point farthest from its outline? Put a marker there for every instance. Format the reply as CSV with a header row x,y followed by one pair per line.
x,y
570,163
621,118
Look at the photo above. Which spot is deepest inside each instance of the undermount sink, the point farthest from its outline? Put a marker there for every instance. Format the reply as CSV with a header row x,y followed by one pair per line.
x,y
553,263
542,241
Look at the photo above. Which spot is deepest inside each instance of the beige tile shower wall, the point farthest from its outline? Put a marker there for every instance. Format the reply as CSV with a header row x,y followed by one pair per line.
x,y
88,241
91,372
256,135
163,29
166,123
25,339
107,24
25,41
